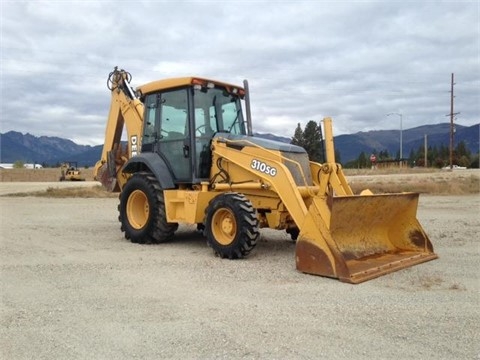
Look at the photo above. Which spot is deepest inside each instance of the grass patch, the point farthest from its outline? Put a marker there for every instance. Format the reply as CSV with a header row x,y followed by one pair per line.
x,y
406,170
424,181
455,186
38,175
73,192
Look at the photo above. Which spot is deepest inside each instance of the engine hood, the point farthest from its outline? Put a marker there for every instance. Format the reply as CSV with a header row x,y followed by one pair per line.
x,y
244,140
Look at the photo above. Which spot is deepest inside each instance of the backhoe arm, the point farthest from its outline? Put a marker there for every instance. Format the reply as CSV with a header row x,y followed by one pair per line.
x,y
331,179
126,110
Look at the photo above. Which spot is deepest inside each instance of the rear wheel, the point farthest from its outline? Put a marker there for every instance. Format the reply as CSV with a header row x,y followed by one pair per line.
x,y
142,211
231,226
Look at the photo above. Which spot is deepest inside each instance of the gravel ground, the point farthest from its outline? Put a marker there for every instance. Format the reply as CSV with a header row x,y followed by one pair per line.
x,y
73,288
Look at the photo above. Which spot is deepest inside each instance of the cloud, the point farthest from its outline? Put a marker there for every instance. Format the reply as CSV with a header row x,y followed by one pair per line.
x,y
354,61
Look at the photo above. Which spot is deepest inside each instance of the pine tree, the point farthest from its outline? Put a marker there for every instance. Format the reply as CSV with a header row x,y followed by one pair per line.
x,y
298,136
412,157
462,149
362,160
312,141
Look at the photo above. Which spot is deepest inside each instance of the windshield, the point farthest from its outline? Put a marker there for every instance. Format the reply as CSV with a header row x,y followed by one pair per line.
x,y
217,111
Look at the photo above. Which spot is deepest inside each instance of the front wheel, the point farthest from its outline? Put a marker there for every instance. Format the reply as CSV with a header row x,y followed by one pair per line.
x,y
231,225
142,211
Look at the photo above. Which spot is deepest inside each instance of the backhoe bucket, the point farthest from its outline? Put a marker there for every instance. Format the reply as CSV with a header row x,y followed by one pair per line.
x,y
358,238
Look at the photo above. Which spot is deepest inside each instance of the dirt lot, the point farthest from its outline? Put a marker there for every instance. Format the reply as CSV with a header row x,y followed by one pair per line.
x,y
73,288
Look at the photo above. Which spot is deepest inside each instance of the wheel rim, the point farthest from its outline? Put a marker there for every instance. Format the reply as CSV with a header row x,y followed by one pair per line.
x,y
138,209
224,226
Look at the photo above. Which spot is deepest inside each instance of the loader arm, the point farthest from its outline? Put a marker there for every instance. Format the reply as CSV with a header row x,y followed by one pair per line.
x,y
329,177
126,111
282,182
350,237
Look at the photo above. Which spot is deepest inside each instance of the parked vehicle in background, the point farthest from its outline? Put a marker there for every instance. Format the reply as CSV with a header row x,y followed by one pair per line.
x,y
454,167
26,166
70,172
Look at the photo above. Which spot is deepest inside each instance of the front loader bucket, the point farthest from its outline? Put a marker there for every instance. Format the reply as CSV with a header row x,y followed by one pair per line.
x,y
358,238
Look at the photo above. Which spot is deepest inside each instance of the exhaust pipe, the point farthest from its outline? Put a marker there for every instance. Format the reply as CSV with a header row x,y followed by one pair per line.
x,y
247,108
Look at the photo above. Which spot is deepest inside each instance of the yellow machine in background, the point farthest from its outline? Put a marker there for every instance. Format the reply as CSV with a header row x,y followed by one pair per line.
x,y
69,172
191,158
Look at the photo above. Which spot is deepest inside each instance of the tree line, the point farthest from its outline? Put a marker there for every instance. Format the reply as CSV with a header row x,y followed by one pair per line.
x,y
311,139
437,157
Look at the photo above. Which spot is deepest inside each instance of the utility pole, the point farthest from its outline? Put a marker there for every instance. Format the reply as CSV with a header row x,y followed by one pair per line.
x,y
452,126
451,123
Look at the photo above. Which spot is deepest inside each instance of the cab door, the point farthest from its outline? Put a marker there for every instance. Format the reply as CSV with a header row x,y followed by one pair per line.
x,y
168,132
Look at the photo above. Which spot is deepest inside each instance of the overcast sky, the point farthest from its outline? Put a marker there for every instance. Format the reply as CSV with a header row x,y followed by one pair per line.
x,y
355,61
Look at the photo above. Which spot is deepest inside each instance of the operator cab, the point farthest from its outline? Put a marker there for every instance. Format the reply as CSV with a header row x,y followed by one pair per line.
x,y
181,117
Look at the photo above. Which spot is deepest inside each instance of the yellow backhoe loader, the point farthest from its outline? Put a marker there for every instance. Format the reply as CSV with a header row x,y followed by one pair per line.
x,y
190,157
69,172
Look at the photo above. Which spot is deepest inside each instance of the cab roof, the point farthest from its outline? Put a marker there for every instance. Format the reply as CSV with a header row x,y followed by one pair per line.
x,y
185,81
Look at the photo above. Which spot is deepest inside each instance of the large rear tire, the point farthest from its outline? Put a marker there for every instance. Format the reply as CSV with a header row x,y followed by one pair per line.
x,y
231,225
142,211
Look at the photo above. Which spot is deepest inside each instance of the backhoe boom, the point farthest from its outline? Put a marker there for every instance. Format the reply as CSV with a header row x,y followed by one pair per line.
x,y
125,111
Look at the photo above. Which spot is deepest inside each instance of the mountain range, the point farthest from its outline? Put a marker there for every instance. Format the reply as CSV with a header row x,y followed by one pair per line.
x,y
51,151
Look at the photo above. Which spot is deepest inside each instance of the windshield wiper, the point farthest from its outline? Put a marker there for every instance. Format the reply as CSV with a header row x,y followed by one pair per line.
x,y
234,120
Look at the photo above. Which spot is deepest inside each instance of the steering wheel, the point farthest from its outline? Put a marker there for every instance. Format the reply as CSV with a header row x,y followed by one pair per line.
x,y
198,130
